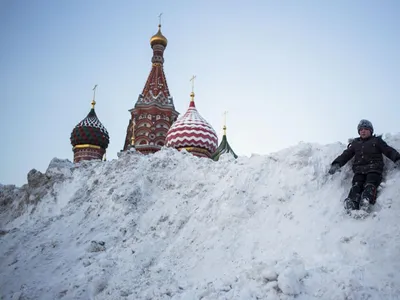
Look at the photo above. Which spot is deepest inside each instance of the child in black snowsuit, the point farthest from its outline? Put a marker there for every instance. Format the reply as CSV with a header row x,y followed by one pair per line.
x,y
367,166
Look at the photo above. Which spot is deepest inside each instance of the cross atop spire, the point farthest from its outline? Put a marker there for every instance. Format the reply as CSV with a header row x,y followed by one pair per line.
x,y
192,93
159,19
94,96
224,128
192,80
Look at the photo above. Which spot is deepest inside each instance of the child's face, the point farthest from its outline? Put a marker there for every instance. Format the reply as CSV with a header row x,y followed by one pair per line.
x,y
365,133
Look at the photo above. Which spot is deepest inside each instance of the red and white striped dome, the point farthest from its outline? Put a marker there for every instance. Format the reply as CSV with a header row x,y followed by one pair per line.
x,y
192,131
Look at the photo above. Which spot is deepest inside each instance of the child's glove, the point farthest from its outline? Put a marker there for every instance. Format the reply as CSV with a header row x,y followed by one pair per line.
x,y
334,169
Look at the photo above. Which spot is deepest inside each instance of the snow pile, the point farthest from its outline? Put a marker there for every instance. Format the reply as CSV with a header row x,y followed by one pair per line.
x,y
173,226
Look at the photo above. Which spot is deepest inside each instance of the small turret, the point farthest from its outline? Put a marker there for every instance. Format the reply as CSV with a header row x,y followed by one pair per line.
x,y
224,147
89,137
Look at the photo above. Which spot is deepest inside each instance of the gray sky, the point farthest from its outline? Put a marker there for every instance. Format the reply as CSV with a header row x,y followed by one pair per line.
x,y
286,71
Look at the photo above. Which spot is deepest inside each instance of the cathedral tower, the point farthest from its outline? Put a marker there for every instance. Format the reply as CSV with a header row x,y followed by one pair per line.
x,y
154,111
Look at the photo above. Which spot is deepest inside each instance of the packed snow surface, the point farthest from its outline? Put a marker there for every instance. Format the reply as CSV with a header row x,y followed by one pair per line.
x,y
174,226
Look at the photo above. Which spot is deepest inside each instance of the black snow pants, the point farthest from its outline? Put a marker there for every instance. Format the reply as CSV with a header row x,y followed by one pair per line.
x,y
365,187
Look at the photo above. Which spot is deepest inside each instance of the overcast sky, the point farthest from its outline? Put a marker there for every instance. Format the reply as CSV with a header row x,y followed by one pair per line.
x,y
286,71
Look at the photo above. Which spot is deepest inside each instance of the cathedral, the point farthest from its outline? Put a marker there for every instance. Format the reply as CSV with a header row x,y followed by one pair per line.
x,y
153,122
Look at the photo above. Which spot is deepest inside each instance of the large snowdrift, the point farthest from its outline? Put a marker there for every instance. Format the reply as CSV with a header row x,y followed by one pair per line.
x,y
173,226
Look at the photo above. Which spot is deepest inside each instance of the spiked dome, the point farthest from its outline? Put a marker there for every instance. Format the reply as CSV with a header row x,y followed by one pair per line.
x,y
90,131
193,133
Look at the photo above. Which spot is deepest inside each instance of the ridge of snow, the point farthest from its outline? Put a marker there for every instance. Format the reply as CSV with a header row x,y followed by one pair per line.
x,y
174,226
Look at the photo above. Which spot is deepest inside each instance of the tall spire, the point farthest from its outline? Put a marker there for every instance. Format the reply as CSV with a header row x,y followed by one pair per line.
x,y
156,88
154,111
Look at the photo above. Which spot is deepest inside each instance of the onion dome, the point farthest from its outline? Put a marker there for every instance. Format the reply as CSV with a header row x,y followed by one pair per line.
x,y
193,133
158,38
90,131
223,148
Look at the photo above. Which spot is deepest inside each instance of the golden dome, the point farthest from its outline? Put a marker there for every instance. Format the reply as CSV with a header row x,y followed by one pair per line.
x,y
158,38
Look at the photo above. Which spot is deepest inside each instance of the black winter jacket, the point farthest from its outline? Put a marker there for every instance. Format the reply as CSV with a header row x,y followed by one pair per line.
x,y
367,155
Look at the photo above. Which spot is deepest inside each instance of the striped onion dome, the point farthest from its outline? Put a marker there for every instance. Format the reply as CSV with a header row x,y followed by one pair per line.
x,y
90,131
192,130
